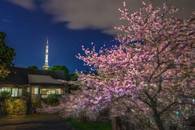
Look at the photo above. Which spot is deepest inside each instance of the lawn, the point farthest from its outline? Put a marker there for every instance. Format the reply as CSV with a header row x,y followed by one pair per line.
x,y
78,125
49,122
34,122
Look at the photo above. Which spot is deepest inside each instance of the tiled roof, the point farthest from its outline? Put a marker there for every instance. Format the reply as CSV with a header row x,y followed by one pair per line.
x,y
43,79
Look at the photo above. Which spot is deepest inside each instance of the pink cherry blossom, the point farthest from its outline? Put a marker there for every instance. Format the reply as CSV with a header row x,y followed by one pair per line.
x,y
150,77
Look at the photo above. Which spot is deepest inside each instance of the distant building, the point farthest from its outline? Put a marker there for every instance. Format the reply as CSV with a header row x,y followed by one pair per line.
x,y
39,83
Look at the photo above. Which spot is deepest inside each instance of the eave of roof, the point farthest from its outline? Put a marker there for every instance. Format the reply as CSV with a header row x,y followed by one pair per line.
x,y
43,79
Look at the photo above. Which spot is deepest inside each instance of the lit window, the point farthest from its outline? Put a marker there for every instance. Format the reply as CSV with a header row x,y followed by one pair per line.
x,y
36,90
28,89
20,92
14,92
5,89
45,92
51,91
58,91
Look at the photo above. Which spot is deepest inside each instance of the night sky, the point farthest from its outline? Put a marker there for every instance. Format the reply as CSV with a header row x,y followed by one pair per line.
x,y
68,24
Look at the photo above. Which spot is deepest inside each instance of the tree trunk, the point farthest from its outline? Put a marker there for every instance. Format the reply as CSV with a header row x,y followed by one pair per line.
x,y
114,126
118,124
158,121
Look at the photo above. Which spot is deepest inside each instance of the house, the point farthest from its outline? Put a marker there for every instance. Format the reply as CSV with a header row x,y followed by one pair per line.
x,y
38,83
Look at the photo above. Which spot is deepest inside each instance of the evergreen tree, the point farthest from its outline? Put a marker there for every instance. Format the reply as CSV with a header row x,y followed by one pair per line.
x,y
7,55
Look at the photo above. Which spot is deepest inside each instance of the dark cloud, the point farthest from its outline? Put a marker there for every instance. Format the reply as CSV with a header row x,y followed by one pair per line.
x,y
98,14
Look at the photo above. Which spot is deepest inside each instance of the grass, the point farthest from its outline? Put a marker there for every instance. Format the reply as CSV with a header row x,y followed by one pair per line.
x,y
45,118
14,119
79,125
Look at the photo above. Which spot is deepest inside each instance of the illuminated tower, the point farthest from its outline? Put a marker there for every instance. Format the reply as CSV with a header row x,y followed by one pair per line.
x,y
46,64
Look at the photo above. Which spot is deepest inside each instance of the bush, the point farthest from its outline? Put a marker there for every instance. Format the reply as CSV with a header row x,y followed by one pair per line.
x,y
52,99
15,106
89,125
36,104
70,88
5,95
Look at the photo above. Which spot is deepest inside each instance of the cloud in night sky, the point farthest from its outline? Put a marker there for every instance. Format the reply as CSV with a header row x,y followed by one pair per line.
x,y
96,14
5,20
83,14
27,4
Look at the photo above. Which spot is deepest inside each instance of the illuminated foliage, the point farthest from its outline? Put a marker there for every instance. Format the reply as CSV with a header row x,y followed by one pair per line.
x,y
3,71
15,106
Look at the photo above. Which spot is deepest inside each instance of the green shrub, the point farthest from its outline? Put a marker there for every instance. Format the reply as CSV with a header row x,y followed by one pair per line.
x,y
5,95
70,88
89,125
52,99
36,103
14,106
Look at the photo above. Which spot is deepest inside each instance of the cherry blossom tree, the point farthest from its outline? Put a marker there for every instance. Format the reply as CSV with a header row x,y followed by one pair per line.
x,y
148,77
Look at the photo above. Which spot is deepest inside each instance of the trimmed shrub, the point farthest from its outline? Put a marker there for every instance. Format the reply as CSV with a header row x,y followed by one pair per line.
x,y
52,99
14,106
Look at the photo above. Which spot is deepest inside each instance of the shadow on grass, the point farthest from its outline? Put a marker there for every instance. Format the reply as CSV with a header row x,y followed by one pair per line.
x,y
80,125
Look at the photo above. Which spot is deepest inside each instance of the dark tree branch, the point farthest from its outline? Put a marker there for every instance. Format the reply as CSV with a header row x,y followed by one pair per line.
x,y
167,108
